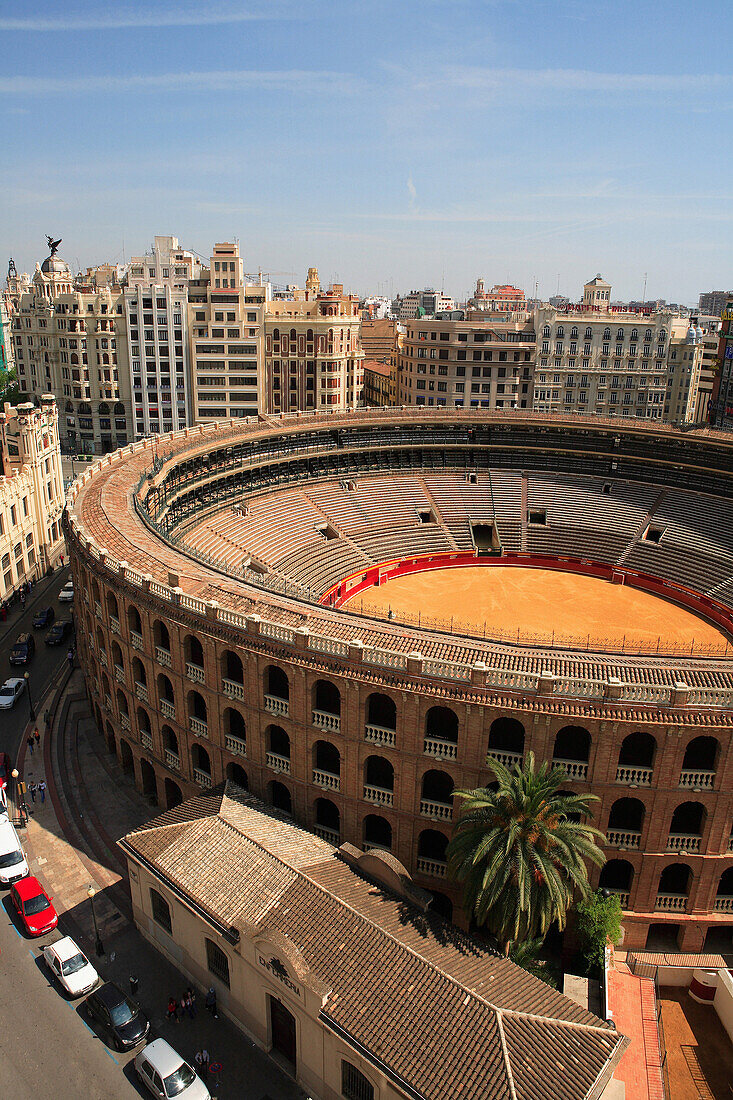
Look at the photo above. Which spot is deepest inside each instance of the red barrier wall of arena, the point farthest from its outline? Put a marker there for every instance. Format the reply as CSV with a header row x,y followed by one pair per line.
x,y
355,583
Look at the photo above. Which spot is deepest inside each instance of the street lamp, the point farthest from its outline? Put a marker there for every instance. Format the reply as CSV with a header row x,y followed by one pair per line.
x,y
27,676
17,798
99,946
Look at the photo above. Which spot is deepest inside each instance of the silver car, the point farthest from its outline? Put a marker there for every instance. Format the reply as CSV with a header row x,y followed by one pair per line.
x,y
166,1075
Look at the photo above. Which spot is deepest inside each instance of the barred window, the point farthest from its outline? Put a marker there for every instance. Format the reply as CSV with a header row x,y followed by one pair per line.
x,y
354,1085
161,911
217,962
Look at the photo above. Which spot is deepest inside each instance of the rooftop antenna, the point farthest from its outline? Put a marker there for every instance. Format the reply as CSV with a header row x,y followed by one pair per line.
x,y
558,283
643,297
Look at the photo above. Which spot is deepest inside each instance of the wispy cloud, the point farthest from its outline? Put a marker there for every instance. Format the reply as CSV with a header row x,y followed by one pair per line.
x,y
201,15
479,78
412,192
224,81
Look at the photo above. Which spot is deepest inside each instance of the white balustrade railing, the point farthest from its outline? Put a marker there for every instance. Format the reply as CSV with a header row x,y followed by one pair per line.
x,y
327,780
136,640
380,735
519,681
278,632
119,674
579,688
324,720
141,691
114,624
439,811
683,842
632,776
108,702
441,750
710,697
331,835
645,693
277,762
436,868
671,903
195,673
508,759
232,689
103,658
379,795
275,705
697,779
173,760
125,721
202,778
622,895
146,739
623,838
723,905
98,609
385,658
163,657
198,726
324,644
576,769
168,709
446,670
236,745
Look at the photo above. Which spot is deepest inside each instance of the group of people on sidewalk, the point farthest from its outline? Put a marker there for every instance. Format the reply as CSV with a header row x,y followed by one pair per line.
x,y
177,1009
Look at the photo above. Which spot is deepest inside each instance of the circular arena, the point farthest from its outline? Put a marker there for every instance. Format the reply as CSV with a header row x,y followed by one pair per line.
x,y
349,613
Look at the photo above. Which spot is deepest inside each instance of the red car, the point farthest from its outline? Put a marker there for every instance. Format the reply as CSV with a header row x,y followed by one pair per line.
x,y
4,770
33,906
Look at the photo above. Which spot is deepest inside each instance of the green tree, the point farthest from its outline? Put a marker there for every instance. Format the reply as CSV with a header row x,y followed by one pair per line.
x,y
525,953
598,919
521,852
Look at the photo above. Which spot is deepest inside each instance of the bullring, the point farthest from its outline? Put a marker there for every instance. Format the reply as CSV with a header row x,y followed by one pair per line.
x,y
212,566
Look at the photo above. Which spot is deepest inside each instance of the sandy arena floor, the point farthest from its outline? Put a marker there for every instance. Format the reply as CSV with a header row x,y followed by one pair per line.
x,y
538,602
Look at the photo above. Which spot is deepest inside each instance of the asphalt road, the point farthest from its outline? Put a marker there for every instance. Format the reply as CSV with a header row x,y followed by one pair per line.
x,y
44,666
46,1046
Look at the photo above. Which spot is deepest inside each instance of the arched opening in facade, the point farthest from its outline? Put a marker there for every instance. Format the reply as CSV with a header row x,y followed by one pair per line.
x,y
436,794
277,687
377,833
381,714
442,905
234,725
572,751
148,780
109,737
173,796
674,887
201,762
134,622
328,820
232,668
378,779
625,823
238,775
431,852
161,637
112,608
143,722
170,746
165,690
700,763
326,764
127,760
441,724
278,796
506,741
326,699
617,875
686,827
194,654
278,745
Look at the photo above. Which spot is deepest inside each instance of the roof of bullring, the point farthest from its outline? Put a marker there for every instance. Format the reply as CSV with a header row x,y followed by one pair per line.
x,y
102,509
439,1011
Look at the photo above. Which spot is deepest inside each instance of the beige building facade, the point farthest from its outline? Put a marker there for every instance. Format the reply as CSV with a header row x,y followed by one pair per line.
x,y
31,493
467,363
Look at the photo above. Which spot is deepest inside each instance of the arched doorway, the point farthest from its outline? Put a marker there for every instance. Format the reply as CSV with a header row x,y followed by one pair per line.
x,y
147,778
173,796
126,758
282,1026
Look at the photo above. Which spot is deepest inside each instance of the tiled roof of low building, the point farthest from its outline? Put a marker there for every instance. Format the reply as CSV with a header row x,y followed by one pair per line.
x,y
438,1010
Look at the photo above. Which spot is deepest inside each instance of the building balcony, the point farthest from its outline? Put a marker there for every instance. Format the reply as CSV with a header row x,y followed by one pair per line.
x,y
141,691
671,903
146,739
327,780
195,673
436,868
576,769
275,705
441,750
198,726
380,796
103,658
167,709
380,735
277,762
631,776
119,674
108,702
331,835
622,895
232,689
202,778
125,721
508,759
438,811
696,779
324,720
235,745
723,905
98,609
114,624
136,640
163,657
623,838
683,842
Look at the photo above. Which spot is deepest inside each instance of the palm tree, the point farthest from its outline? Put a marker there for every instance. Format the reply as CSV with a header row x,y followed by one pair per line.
x,y
520,851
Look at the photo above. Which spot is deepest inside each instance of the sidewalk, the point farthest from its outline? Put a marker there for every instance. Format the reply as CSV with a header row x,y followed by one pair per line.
x,y
70,845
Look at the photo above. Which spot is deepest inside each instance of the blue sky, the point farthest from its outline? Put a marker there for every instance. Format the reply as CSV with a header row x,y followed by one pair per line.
x,y
392,143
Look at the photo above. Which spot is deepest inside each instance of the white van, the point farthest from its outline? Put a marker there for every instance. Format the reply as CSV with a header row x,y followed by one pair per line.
x,y
12,861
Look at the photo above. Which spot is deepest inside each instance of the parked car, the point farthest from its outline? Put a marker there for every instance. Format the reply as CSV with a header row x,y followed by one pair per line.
x,y
71,966
33,906
59,632
13,866
118,1016
5,770
66,594
10,691
23,650
44,617
166,1074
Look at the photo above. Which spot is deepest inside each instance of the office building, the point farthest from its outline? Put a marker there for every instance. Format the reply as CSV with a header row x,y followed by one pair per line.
x,y
714,302
504,298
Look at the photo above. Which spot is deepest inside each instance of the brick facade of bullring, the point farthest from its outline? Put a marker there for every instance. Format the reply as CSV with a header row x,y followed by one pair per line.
x,y
363,755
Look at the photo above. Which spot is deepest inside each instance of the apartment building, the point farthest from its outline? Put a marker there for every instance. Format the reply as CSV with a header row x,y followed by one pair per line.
x,y
708,368
474,363
503,298
313,354
721,401
421,302
31,492
71,342
684,366
167,264
713,302
7,358
592,358
226,316
379,338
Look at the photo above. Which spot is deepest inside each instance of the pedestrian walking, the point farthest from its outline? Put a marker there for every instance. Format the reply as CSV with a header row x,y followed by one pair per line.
x,y
210,1003
202,1059
42,790
70,658
172,1013
31,743
189,1001
32,791
46,720
36,737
